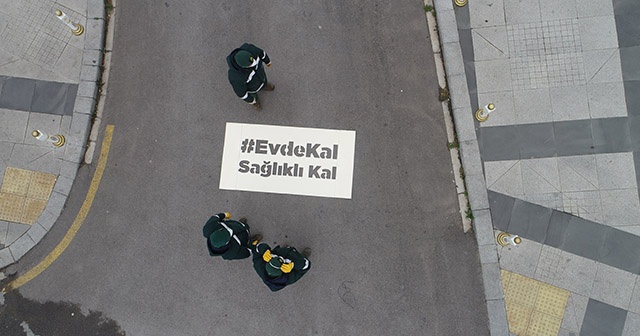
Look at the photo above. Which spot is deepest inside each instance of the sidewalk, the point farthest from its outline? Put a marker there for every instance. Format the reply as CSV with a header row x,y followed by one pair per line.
x,y
48,82
557,163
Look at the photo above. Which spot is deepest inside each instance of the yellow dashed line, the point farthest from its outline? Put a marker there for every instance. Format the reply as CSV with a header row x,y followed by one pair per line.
x,y
82,214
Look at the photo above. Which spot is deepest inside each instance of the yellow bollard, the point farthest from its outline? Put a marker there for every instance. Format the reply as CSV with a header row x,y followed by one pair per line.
x,y
76,28
460,3
505,239
56,139
482,114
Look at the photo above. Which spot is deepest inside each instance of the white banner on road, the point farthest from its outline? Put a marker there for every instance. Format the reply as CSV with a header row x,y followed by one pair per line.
x,y
288,160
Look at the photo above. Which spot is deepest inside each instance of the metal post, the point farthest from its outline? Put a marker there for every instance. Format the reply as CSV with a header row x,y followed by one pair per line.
x,y
505,239
76,28
460,3
482,114
56,139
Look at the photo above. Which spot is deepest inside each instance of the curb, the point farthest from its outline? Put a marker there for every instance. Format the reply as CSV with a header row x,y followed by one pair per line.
x,y
448,43
74,149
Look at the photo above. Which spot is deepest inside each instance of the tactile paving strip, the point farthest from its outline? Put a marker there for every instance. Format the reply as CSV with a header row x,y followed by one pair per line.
x,y
32,210
533,307
24,195
11,207
16,181
41,185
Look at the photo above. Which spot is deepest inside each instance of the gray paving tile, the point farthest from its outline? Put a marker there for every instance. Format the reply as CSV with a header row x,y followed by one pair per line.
x,y
620,208
634,132
17,93
540,177
49,97
501,209
613,286
4,226
14,231
536,140
533,106
70,99
628,29
499,143
490,43
573,137
611,135
13,125
575,273
463,19
554,10
493,75
585,238
529,220
557,229
602,66
629,57
522,12
574,313
598,32
578,173
632,325
621,249
634,305
521,259
631,89
505,112
603,319
606,100
570,103
636,163
487,13
616,171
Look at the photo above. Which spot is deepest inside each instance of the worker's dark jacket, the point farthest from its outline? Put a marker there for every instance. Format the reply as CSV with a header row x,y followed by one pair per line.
x,y
237,248
300,265
246,81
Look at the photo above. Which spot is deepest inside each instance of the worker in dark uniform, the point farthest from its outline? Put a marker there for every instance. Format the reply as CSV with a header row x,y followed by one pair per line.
x,y
246,73
280,266
228,238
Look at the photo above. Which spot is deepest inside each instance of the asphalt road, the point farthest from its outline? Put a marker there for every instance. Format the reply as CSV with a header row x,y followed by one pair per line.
x,y
390,261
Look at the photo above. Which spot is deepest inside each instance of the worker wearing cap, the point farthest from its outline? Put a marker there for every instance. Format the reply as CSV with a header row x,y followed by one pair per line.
x,y
227,238
280,266
246,73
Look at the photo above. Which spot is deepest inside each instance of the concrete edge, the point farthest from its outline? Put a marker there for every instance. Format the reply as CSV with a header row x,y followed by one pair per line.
x,y
449,44
75,147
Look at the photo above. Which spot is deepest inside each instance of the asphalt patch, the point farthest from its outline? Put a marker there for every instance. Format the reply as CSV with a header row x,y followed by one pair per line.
x,y
52,318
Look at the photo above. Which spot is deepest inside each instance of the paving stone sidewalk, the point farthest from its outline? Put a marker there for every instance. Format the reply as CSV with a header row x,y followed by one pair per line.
x,y
48,82
557,163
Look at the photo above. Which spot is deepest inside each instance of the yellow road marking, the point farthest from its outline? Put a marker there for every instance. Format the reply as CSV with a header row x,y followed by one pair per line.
x,y
82,214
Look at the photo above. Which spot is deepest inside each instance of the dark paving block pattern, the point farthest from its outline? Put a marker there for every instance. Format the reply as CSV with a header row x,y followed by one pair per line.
x,y
17,93
574,137
32,95
49,97
584,238
628,30
565,231
621,250
557,229
536,140
501,209
632,95
499,143
611,135
629,57
602,319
